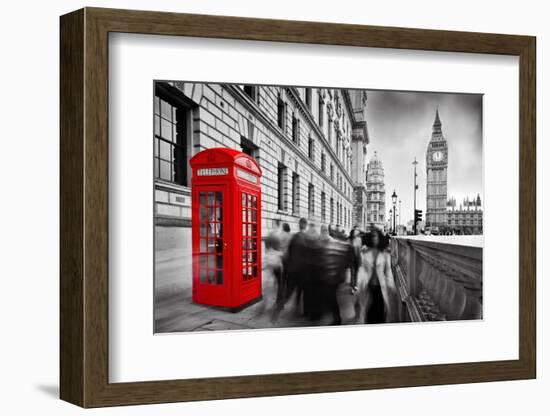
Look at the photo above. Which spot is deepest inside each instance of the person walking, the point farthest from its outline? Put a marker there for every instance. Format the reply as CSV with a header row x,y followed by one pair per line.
x,y
377,294
296,264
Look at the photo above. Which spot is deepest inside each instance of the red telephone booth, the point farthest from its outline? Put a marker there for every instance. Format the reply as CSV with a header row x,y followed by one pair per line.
x,y
226,221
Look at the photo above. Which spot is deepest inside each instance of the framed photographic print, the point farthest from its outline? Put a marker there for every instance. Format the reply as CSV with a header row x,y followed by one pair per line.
x,y
256,207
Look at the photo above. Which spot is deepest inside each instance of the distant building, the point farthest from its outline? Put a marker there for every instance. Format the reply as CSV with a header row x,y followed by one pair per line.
x,y
466,219
376,193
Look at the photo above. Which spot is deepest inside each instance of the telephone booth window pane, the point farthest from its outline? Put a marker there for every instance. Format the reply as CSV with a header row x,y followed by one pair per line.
x,y
203,230
254,229
254,215
203,245
211,245
211,276
202,198
218,198
203,275
210,200
219,277
253,201
202,214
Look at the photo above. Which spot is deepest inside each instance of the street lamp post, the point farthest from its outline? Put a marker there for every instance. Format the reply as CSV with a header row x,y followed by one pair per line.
x,y
394,200
415,189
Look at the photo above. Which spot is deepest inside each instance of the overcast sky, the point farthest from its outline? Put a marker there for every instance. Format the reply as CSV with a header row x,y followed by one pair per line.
x,y
400,127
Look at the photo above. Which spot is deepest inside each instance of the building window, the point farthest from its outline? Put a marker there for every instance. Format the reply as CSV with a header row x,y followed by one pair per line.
x,y
249,147
281,113
281,178
323,207
308,98
331,210
345,222
252,91
311,200
332,172
323,162
170,139
320,108
329,138
296,130
311,148
295,193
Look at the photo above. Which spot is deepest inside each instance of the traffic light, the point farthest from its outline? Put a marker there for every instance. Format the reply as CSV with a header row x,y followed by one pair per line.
x,y
417,218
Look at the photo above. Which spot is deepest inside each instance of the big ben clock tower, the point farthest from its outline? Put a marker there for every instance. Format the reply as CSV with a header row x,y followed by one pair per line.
x,y
437,157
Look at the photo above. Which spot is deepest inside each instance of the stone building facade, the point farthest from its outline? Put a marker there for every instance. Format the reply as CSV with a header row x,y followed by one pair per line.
x,y
376,193
310,144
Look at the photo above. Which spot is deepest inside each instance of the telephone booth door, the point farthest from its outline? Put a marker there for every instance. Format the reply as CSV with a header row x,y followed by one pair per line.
x,y
211,285
251,245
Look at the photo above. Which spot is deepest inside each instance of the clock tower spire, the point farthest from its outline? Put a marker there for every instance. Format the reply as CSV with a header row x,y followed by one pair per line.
x,y
436,177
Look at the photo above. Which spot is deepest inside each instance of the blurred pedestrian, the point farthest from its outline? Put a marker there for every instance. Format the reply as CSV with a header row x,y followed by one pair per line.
x,y
336,260
356,245
273,265
377,294
296,264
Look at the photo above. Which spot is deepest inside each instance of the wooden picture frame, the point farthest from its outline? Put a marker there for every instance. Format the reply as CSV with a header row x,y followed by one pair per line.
x,y
84,207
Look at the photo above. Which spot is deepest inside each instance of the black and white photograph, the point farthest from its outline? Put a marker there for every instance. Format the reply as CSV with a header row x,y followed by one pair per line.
x,y
306,206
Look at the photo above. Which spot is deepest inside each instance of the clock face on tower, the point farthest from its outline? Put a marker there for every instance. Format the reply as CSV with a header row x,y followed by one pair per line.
x,y
437,156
